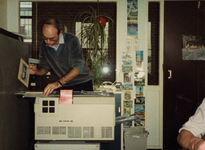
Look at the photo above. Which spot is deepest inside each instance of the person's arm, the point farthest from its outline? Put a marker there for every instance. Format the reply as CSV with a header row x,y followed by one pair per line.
x,y
69,76
65,79
188,141
34,70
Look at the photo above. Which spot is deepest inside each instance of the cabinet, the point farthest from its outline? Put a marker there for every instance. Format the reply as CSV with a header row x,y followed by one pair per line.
x,y
116,144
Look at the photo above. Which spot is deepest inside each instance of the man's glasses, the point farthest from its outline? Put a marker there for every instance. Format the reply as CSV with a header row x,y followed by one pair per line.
x,y
50,39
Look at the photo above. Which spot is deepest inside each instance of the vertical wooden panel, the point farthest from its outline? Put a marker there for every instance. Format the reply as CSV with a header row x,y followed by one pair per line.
x,y
153,117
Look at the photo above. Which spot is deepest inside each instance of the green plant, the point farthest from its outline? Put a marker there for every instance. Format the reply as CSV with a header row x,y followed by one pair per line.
x,y
93,36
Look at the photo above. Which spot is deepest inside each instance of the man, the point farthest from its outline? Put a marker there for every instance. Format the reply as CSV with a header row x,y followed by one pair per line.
x,y
190,135
62,53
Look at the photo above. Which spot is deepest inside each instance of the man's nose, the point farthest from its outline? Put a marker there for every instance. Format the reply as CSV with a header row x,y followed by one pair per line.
x,y
48,41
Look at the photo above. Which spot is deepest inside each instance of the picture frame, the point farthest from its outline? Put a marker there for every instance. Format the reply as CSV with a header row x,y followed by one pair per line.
x,y
193,47
23,73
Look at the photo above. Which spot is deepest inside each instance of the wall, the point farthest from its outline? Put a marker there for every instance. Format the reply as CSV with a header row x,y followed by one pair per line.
x,y
13,10
14,112
3,14
9,15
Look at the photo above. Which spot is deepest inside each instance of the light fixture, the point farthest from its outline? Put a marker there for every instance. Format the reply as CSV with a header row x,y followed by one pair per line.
x,y
105,69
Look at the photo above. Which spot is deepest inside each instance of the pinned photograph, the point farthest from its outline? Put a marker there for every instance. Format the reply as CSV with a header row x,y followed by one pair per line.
x,y
140,113
127,58
126,68
127,86
126,111
127,95
140,100
139,107
127,77
23,74
139,60
139,78
139,91
132,10
193,47
128,103
132,17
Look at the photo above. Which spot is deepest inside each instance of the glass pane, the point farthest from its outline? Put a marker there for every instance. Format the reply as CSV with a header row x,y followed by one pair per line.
x,y
45,103
21,13
153,48
29,13
26,27
26,13
45,109
26,21
51,103
25,8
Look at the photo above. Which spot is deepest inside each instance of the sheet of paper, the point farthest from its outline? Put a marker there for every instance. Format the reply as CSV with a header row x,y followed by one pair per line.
x,y
66,96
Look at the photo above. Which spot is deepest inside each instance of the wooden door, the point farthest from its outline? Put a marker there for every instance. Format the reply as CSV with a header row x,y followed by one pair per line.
x,y
184,91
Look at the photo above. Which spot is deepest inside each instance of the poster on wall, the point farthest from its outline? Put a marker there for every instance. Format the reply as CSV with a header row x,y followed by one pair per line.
x,y
139,91
128,103
139,60
139,78
193,47
132,17
127,86
127,95
126,58
127,77
126,68
139,110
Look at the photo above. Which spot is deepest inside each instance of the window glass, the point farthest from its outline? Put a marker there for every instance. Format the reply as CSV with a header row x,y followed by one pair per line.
x,y
153,48
26,20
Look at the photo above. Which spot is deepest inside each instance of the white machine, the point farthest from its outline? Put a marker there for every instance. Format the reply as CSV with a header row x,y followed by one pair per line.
x,y
66,145
91,117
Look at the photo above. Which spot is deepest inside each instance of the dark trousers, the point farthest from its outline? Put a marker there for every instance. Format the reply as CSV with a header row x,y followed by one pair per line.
x,y
86,86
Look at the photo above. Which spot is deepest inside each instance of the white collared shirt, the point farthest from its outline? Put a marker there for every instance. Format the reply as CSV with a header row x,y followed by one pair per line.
x,y
61,41
196,123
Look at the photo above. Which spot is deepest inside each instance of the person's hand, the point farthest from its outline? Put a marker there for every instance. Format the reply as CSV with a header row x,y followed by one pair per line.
x,y
51,87
200,145
32,69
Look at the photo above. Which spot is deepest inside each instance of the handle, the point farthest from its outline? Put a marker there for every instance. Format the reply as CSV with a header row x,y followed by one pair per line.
x,y
170,74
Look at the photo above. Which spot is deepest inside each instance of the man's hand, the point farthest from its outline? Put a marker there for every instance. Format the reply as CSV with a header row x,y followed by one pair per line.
x,y
65,79
188,141
32,68
200,145
51,87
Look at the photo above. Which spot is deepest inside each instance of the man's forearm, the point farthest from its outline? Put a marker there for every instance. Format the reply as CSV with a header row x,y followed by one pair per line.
x,y
65,79
40,72
187,140
69,76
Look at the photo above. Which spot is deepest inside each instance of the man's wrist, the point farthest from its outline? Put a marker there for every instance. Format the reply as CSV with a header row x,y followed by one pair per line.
x,y
60,83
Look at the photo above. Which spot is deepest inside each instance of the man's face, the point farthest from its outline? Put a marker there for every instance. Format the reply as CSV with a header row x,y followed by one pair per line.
x,y
50,35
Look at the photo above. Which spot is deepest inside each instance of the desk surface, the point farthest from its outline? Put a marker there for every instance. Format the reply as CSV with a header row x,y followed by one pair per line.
x,y
33,94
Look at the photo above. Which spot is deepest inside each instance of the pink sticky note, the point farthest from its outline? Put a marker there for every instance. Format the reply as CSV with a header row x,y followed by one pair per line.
x,y
66,96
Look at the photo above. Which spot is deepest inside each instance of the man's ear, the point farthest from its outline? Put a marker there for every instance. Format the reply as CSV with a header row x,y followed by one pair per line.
x,y
60,33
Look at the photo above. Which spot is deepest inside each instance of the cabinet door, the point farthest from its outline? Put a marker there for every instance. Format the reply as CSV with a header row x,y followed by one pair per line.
x,y
116,144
